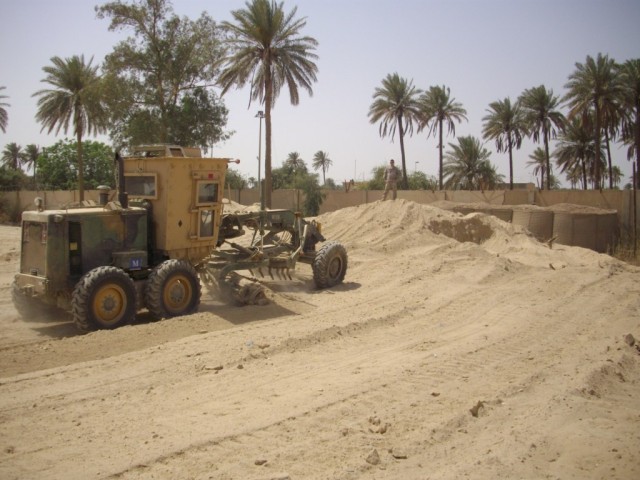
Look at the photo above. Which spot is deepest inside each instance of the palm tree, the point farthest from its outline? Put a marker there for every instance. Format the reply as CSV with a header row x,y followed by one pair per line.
x,y
616,176
539,163
594,87
265,49
438,107
612,120
505,124
294,161
542,120
574,176
576,151
4,118
12,156
75,98
322,161
30,156
467,166
630,78
396,105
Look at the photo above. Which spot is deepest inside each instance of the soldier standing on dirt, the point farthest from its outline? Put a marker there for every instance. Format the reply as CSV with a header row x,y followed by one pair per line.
x,y
391,176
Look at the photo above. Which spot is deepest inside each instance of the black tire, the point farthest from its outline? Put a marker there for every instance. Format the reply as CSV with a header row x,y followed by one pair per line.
x,y
330,265
29,308
173,289
104,298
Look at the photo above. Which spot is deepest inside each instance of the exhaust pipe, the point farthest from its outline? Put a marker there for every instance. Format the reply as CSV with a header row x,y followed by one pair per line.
x,y
123,197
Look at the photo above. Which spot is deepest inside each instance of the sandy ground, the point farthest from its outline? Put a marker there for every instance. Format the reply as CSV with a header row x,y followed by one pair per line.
x,y
457,347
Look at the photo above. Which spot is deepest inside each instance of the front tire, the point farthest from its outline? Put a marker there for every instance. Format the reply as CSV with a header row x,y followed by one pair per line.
x,y
330,265
104,298
173,289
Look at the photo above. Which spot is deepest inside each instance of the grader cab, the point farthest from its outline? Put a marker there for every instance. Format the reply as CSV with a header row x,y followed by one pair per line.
x,y
150,247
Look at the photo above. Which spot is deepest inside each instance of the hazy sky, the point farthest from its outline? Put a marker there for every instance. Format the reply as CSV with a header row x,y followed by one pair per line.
x,y
484,50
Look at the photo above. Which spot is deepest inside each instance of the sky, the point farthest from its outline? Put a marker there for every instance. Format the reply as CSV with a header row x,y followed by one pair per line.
x,y
483,50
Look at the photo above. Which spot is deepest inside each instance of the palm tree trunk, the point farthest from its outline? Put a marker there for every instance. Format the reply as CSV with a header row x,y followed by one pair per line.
x,y
80,166
637,140
596,170
542,178
606,142
440,152
510,163
267,156
584,174
404,164
546,156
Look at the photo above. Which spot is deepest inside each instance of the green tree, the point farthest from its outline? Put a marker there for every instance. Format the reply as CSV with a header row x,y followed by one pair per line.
x,y
437,108
199,120
617,176
30,157
422,181
11,176
539,163
468,167
282,178
295,161
233,179
4,117
542,120
611,128
10,180
12,156
377,178
630,79
576,151
416,181
76,98
58,165
157,79
296,169
292,171
252,182
330,184
313,195
396,106
594,87
506,125
322,161
266,50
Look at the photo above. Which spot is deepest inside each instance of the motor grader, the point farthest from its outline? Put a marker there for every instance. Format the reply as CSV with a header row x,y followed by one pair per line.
x,y
150,244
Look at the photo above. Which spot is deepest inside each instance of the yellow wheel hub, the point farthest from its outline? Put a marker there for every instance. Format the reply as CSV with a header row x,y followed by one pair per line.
x,y
110,303
177,293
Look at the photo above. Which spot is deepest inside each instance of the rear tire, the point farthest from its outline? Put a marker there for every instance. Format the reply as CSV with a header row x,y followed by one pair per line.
x,y
173,289
330,265
104,298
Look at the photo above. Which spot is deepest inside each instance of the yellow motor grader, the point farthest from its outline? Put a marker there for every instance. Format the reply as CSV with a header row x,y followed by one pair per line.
x,y
150,247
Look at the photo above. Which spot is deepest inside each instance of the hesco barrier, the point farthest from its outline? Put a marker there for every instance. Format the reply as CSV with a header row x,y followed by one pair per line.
x,y
567,224
585,227
504,213
538,220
